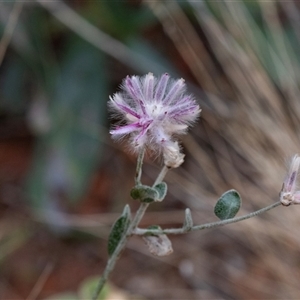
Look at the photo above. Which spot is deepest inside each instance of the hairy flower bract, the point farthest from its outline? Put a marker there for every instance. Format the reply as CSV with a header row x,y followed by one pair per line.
x,y
152,111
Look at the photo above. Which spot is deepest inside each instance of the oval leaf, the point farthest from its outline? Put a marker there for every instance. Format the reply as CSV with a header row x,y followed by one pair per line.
x,y
228,205
118,230
144,193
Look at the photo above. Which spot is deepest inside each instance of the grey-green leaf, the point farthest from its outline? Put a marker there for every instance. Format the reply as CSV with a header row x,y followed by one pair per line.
x,y
161,188
188,220
228,205
144,193
118,230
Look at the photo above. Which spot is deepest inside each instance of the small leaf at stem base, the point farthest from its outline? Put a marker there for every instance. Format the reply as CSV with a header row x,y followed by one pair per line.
x,y
118,230
188,221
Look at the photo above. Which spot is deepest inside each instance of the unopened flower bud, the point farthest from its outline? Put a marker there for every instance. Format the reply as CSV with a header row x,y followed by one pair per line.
x,y
173,158
159,244
288,194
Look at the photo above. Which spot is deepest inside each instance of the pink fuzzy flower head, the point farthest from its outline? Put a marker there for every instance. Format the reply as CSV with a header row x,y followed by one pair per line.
x,y
152,111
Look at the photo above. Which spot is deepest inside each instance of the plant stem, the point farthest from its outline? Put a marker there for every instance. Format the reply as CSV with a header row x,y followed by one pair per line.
x,y
114,257
138,172
140,231
161,175
132,227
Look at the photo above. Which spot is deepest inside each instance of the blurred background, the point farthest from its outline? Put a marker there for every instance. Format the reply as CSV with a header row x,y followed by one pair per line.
x,y
63,181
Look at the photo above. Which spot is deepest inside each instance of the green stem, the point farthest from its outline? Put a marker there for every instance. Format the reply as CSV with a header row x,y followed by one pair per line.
x,y
161,175
114,257
138,172
132,227
140,231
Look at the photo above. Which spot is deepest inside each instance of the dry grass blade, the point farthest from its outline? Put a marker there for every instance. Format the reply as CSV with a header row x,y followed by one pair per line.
x,y
184,36
248,148
40,282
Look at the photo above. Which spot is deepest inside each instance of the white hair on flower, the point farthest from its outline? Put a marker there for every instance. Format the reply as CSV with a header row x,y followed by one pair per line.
x,y
152,111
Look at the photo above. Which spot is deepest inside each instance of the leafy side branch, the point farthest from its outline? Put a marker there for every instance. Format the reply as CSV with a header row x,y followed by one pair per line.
x,y
140,231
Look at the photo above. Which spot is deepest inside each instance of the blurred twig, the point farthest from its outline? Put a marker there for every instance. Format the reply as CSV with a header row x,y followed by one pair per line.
x,y
106,219
9,29
41,282
96,37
